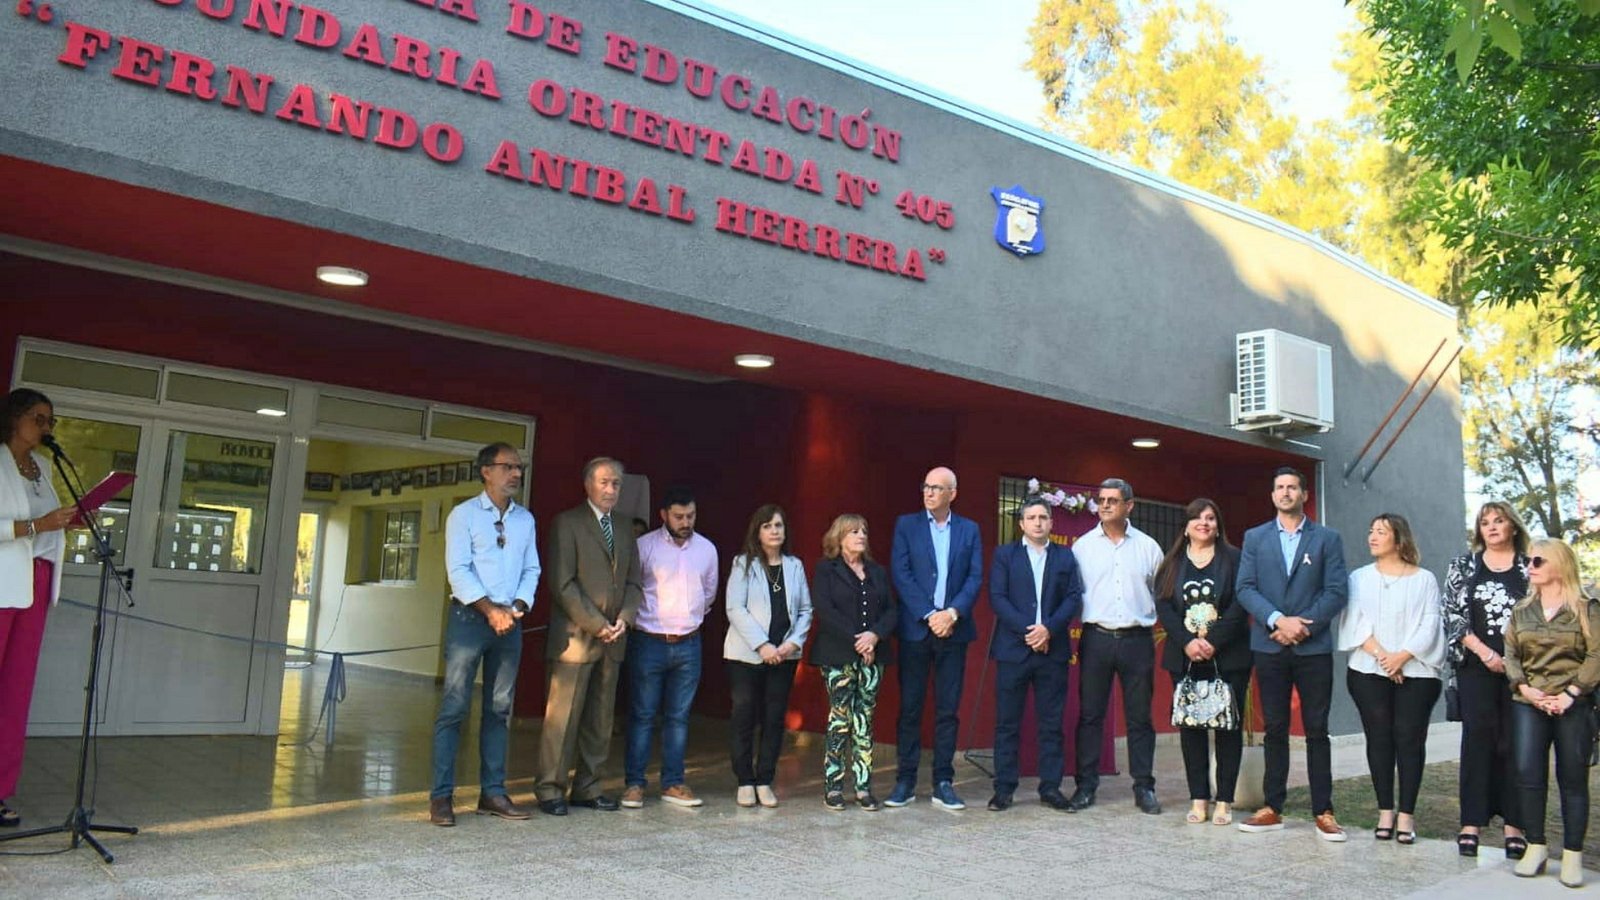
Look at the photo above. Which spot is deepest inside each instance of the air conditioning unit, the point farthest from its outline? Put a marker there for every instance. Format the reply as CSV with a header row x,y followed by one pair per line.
x,y
1285,383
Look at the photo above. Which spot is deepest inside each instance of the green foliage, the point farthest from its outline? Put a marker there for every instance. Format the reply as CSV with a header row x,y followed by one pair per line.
x,y
1504,99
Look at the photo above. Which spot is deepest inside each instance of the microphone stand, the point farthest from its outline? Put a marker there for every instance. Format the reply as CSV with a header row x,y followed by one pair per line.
x,y
78,824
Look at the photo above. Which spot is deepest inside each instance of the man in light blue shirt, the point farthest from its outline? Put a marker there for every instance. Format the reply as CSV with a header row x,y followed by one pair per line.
x,y
492,561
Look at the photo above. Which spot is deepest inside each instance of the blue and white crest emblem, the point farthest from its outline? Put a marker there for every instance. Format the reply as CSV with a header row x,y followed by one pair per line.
x,y
1016,223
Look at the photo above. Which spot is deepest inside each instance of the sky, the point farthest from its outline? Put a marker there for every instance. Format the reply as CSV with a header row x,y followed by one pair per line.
x,y
974,50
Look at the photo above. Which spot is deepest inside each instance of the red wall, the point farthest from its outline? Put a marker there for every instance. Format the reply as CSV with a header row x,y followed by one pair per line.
x,y
739,444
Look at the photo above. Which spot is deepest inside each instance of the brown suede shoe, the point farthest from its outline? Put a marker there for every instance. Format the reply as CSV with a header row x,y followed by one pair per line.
x,y
501,805
633,797
441,811
1329,829
1265,819
680,795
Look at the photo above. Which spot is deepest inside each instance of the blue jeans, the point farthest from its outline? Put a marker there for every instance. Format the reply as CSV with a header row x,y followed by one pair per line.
x,y
468,639
662,678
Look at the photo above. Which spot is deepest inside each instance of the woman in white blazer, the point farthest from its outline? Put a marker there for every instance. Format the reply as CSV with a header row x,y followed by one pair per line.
x,y
32,522
769,616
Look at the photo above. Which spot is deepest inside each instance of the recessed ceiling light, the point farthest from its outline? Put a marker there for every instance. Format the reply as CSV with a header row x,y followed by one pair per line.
x,y
1146,443
342,275
754,360
269,411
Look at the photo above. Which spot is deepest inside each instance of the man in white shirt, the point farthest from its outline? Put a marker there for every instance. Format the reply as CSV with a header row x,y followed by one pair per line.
x,y
679,573
1119,563
492,561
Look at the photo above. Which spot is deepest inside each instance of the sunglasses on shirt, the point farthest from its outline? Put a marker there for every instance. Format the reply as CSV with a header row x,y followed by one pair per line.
x,y
500,534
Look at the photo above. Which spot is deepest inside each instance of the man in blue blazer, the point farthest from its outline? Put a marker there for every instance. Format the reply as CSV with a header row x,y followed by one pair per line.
x,y
1036,591
937,567
1292,579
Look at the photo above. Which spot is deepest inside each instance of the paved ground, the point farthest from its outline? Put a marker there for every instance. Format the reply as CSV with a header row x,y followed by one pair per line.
x,y
264,817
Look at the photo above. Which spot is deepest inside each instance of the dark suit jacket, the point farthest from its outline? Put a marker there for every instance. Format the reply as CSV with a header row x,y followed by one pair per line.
x,y
836,612
1317,588
1229,633
916,572
1012,596
590,587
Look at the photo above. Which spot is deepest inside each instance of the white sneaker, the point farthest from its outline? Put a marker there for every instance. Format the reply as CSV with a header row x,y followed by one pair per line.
x,y
746,796
765,794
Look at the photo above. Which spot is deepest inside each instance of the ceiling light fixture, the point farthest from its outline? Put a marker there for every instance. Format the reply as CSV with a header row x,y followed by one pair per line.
x,y
1146,443
269,411
754,360
343,276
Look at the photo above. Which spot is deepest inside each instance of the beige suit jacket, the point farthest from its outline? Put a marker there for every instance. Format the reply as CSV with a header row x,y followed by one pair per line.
x,y
590,587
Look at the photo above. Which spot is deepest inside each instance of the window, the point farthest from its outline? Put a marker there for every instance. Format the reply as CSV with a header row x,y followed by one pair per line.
x,y
1161,520
402,529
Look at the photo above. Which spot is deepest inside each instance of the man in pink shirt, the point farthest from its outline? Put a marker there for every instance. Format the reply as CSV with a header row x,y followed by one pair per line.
x,y
679,574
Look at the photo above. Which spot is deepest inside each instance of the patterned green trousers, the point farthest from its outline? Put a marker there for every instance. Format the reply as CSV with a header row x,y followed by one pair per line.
x,y
852,696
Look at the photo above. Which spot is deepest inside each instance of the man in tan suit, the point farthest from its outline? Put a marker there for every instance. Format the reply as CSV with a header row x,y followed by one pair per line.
x,y
593,568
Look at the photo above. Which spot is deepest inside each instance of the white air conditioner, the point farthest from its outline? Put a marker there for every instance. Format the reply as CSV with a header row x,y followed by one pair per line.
x,y
1285,383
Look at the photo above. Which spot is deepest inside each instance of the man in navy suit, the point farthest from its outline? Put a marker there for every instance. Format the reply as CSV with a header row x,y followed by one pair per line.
x,y
1292,579
1036,591
937,567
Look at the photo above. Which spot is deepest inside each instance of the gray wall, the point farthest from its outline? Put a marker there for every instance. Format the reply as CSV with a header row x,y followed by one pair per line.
x,y
1132,309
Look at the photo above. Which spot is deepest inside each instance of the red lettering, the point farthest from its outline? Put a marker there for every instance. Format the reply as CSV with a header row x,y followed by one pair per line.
x,y
526,21
855,249
345,114
275,12
138,61
83,43
795,234
588,109
699,77
764,225
442,142
799,113
645,197
808,179
745,159
619,118
680,136
646,127
249,88
548,169
716,142
565,33
578,185
411,56
366,46
883,258
913,266
395,129
736,92
192,75
620,51
216,9
449,65
731,216
886,143
768,106
300,107
506,162
481,79
547,98
780,166
609,185
678,208
318,28
660,65
827,242
459,8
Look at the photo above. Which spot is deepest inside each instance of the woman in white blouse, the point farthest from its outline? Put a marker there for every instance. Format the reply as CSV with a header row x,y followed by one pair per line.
x,y
31,545
1395,634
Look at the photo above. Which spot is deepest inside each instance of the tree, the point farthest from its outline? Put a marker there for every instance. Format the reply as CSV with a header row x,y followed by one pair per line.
x,y
1525,435
1516,139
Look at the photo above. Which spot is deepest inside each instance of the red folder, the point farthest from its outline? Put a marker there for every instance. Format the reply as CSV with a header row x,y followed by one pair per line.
x,y
109,487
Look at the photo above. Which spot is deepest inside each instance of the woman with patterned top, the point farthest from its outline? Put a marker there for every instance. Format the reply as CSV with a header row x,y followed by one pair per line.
x,y
854,613
1392,629
1553,664
1480,590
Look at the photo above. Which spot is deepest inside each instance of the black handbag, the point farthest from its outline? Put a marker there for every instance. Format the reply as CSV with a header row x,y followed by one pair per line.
x,y
1452,701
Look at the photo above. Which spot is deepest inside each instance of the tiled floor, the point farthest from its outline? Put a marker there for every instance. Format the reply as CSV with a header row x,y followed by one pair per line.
x,y
231,816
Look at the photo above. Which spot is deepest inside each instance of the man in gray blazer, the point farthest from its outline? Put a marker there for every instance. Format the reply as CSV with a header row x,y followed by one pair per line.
x,y
593,571
1292,579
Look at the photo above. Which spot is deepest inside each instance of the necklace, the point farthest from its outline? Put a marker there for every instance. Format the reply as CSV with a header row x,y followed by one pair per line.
x,y
1386,581
31,472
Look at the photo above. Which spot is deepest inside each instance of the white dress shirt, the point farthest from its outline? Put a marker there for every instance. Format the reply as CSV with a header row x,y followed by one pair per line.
x,y
1117,578
1403,613
1037,557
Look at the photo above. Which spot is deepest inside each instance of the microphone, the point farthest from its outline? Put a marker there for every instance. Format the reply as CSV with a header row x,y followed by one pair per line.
x,y
49,441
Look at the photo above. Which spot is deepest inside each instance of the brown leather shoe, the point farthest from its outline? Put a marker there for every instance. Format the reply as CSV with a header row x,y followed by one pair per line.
x,y
1265,819
680,795
632,797
501,805
1329,829
441,811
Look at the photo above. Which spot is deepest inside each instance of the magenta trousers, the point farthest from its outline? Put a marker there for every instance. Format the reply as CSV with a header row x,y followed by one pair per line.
x,y
21,635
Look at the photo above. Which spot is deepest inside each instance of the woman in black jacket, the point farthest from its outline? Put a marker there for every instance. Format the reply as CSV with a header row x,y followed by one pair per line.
x,y
1207,636
854,614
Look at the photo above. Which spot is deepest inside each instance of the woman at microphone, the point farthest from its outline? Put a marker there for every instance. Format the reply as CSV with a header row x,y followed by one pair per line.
x,y
32,522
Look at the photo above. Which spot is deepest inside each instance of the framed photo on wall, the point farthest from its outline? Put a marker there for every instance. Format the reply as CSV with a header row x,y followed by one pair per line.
x,y
464,470
434,475
448,475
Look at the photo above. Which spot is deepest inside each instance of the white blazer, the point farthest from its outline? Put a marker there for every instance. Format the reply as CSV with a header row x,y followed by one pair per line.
x,y
16,553
750,608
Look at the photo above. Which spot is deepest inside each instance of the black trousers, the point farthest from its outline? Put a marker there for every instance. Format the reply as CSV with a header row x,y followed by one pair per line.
x,y
947,661
1488,785
1196,744
1279,675
1131,658
1048,678
1395,720
1532,733
760,700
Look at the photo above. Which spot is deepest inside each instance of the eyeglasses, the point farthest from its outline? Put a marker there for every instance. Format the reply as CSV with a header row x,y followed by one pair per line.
x,y
936,488
1108,501
515,467
44,421
1535,562
500,533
